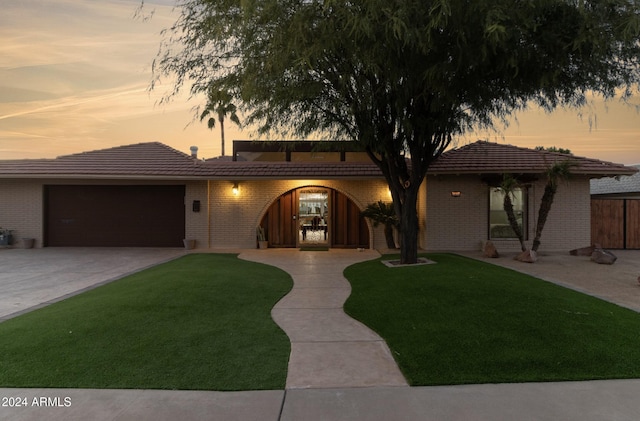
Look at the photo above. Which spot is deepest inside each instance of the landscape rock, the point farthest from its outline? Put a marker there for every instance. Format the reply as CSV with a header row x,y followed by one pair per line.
x,y
585,251
603,257
489,250
527,256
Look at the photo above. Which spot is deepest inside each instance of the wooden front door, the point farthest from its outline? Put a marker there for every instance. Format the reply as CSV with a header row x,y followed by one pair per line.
x,y
280,223
346,226
349,228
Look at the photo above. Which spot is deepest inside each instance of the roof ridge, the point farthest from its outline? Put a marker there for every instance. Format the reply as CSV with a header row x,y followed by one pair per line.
x,y
85,153
539,151
106,152
174,150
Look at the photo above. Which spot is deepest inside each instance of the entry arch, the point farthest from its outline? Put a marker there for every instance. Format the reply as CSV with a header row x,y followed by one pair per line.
x,y
345,225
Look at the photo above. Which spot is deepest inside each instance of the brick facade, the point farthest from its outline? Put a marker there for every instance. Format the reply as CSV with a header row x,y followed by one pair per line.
x,y
21,209
462,223
234,218
226,221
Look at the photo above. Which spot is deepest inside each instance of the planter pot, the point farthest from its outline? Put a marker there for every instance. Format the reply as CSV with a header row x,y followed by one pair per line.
x,y
5,240
263,244
27,243
189,244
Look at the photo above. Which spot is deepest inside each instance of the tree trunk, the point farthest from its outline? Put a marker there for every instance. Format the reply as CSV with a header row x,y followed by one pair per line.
x,y
409,227
545,208
222,134
508,208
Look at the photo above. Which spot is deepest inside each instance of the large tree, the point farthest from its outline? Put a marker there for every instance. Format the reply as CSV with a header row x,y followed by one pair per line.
x,y
402,77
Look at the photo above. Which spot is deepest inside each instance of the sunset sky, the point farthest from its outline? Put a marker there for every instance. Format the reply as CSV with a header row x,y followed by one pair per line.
x,y
74,77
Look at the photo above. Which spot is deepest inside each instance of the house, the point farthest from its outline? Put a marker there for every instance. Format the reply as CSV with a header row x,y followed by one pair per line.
x,y
615,211
151,195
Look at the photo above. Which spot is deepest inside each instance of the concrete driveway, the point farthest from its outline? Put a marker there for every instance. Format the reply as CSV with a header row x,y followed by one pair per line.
x,y
617,283
32,278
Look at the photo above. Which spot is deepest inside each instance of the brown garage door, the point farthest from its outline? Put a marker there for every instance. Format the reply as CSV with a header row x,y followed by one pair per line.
x,y
114,216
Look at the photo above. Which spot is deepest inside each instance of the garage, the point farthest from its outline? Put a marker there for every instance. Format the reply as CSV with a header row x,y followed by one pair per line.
x,y
114,215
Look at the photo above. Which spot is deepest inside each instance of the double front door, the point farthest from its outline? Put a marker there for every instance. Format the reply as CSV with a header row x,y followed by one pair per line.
x,y
315,216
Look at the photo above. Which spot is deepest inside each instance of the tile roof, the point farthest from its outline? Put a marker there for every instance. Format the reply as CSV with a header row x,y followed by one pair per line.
x,y
623,184
142,159
156,160
493,158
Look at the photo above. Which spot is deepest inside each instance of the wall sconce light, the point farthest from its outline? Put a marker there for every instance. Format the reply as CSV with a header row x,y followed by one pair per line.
x,y
235,189
195,206
456,194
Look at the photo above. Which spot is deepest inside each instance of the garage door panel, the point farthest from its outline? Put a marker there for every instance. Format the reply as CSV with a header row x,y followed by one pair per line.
x,y
115,216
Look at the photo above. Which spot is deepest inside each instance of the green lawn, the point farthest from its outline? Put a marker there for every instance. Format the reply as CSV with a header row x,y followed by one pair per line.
x,y
199,322
465,321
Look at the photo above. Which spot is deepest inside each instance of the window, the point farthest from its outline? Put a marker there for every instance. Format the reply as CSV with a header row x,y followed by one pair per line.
x,y
499,226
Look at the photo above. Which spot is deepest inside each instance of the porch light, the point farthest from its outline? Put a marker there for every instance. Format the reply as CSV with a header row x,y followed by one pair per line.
x,y
455,193
235,189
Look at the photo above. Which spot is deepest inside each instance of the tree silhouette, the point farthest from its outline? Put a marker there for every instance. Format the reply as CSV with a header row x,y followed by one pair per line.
x,y
219,106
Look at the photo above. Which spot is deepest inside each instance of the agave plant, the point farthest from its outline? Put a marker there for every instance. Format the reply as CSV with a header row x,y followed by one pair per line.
x,y
383,213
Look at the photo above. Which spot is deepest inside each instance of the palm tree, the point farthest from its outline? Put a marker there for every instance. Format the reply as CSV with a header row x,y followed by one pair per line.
x,y
219,106
555,173
383,213
509,184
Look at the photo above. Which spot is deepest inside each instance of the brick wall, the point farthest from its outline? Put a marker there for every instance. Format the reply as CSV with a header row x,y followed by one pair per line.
x,y
234,218
227,221
569,223
196,223
456,223
461,223
21,209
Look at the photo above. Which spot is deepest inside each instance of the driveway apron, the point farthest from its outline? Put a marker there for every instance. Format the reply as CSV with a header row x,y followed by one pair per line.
x,y
34,278
328,348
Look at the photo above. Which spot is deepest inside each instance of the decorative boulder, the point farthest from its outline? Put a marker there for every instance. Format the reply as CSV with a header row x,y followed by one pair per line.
x,y
489,250
603,257
585,251
527,256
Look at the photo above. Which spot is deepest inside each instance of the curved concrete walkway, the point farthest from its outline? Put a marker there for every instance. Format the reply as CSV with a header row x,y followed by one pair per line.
x,y
328,348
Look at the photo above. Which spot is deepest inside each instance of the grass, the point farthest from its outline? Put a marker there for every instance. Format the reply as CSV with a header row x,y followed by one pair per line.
x,y
463,321
198,322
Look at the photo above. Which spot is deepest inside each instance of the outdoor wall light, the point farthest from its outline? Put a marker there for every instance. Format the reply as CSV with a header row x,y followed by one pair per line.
x,y
455,194
235,189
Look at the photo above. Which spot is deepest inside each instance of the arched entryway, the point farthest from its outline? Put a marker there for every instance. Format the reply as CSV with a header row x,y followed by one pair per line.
x,y
315,216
